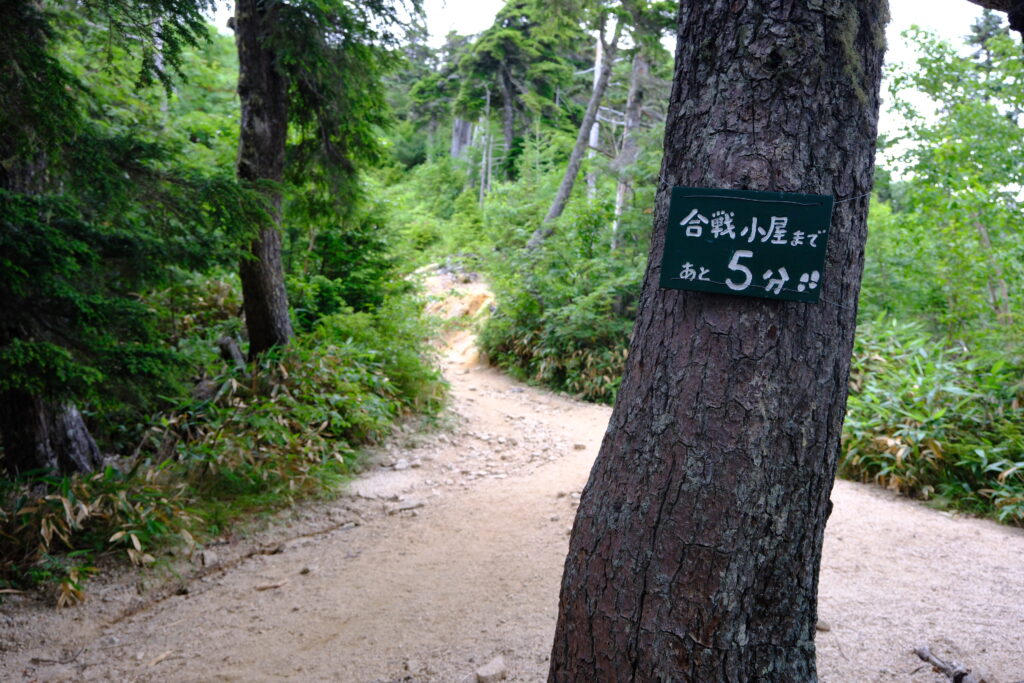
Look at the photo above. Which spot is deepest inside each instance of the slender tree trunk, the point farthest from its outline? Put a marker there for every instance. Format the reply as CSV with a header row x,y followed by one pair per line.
x,y
431,131
490,160
462,135
695,551
595,128
508,112
630,147
263,93
485,153
576,156
998,290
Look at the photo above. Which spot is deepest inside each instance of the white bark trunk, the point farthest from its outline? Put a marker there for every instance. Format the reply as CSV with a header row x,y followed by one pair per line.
x,y
595,129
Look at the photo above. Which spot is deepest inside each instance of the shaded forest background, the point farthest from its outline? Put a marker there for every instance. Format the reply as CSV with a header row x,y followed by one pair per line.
x,y
528,153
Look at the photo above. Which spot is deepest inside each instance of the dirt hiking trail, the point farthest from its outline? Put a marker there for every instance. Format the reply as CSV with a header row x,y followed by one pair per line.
x,y
446,555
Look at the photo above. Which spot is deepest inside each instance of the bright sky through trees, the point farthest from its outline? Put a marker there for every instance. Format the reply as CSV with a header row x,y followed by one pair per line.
x,y
951,19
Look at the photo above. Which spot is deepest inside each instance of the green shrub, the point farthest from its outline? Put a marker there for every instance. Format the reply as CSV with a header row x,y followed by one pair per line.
x,y
935,422
52,528
565,311
291,425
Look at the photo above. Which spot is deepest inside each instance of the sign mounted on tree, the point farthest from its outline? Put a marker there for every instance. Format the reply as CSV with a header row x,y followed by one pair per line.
x,y
764,244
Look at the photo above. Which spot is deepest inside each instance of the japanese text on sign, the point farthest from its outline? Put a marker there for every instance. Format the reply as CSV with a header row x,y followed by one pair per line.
x,y
763,244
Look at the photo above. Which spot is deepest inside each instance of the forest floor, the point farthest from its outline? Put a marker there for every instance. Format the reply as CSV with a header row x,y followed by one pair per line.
x,y
446,554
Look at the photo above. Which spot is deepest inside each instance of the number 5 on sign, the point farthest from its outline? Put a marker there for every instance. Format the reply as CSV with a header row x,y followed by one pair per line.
x,y
734,264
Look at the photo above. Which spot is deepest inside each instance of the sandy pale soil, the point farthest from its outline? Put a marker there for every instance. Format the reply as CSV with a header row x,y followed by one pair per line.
x,y
448,553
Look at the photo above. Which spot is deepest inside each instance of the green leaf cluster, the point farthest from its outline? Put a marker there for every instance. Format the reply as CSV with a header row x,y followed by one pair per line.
x,y
956,240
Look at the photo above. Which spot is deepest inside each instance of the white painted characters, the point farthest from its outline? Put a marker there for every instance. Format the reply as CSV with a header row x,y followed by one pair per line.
x,y
688,273
740,276
694,223
722,226
777,282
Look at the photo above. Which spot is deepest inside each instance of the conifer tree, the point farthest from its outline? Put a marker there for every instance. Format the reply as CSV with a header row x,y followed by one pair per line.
x,y
312,68
88,214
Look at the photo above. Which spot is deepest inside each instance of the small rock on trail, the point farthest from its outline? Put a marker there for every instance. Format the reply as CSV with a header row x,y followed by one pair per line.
x,y
492,671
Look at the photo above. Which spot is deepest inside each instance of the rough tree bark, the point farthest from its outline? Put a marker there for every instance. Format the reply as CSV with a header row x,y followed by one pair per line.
x,y
695,551
263,94
572,168
630,147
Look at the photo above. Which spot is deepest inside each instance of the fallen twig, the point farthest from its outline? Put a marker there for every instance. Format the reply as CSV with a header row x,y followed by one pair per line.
x,y
159,658
271,586
67,659
955,671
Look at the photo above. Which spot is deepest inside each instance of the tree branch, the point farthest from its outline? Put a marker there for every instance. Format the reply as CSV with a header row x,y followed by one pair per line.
x,y
955,671
998,5
1014,11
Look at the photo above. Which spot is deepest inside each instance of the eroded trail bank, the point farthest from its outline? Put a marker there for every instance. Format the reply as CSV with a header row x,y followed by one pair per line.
x,y
448,553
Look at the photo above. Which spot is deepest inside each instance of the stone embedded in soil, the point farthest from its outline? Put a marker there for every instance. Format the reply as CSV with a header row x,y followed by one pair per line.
x,y
492,671
406,506
402,464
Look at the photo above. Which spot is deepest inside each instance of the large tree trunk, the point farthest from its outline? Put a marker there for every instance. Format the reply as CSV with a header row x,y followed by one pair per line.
x,y
263,93
43,435
630,147
572,168
696,548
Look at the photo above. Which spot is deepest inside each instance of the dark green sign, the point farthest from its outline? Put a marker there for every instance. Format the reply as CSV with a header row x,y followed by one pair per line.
x,y
766,244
